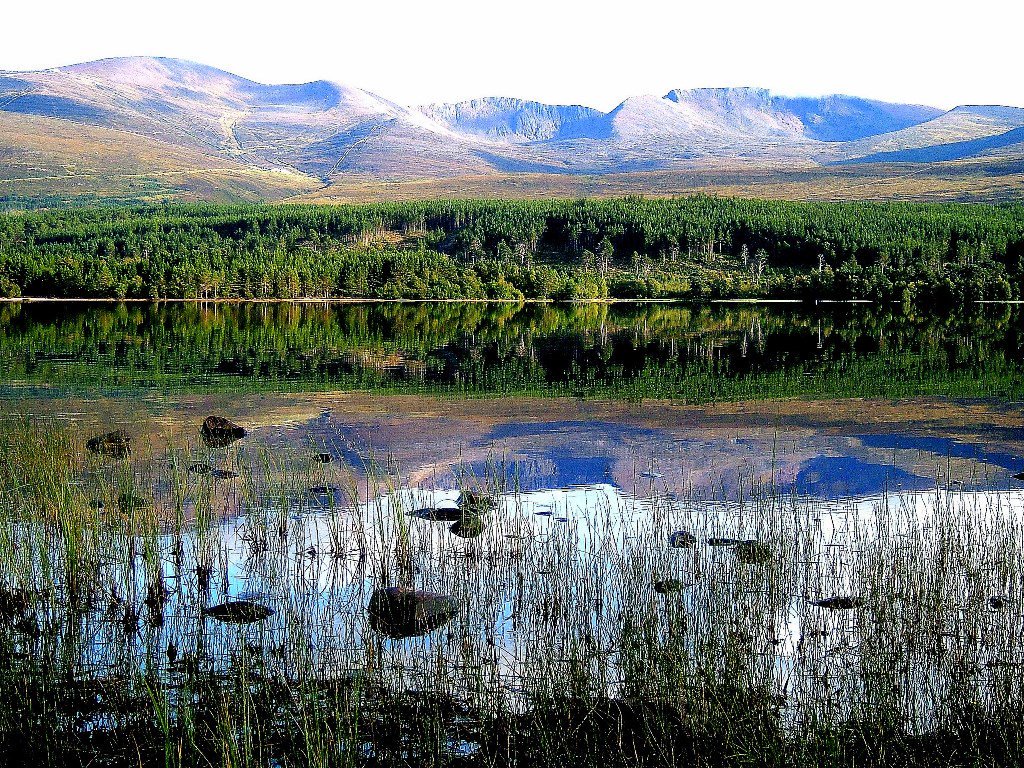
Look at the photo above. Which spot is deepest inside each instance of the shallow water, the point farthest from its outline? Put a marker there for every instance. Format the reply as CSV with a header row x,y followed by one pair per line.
x,y
852,454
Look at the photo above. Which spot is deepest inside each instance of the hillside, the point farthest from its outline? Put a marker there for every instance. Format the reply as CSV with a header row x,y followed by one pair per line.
x,y
154,129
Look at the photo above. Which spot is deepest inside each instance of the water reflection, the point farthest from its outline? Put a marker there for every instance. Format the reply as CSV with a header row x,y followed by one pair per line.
x,y
661,350
812,449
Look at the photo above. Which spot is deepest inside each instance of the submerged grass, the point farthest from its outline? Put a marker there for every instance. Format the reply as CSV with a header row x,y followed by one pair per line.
x,y
562,651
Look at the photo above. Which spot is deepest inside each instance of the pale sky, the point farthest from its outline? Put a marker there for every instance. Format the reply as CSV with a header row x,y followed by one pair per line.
x,y
575,52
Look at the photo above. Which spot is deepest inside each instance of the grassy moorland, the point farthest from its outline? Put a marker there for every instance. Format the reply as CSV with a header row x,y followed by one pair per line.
x,y
988,180
693,248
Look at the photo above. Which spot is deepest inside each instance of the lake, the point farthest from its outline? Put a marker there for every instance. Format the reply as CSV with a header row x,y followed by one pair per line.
x,y
512,534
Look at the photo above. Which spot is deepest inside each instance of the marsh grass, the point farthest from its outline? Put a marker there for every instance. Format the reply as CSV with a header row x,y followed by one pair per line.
x,y
562,651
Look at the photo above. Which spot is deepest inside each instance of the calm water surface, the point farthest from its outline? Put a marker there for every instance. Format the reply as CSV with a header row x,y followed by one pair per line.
x,y
845,451
826,401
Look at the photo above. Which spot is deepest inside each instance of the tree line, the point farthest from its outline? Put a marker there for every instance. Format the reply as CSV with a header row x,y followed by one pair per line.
x,y
697,247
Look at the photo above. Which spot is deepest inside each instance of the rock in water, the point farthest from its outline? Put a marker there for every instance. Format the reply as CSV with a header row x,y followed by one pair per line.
x,y
438,514
239,612
843,603
400,612
468,527
753,553
115,444
681,539
219,432
667,586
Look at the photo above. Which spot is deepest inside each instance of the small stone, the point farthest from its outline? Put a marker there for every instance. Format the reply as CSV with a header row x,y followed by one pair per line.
x,y
115,444
239,612
843,603
218,432
668,586
681,539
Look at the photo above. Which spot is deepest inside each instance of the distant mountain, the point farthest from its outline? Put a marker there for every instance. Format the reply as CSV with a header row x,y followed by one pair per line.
x,y
513,120
976,127
151,128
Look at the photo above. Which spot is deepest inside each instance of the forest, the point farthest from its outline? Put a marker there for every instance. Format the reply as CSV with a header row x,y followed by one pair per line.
x,y
696,248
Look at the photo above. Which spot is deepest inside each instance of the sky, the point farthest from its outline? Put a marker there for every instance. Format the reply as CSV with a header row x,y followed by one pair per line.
x,y
593,53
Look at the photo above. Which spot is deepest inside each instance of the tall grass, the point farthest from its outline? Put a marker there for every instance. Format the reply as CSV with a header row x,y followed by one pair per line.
x,y
562,650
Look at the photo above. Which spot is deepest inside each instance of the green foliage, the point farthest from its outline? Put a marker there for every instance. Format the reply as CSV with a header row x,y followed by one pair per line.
x,y
695,247
655,350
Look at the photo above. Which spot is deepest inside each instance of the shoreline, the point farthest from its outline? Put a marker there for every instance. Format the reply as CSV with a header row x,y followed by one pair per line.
x,y
93,300
556,302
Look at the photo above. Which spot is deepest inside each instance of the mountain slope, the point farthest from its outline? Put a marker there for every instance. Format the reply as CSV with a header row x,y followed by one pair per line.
x,y
510,119
177,128
958,126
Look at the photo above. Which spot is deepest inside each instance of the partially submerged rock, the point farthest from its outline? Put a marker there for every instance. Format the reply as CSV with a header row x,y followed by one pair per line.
x,y
218,432
116,444
239,612
681,539
468,527
839,603
400,612
326,495
438,514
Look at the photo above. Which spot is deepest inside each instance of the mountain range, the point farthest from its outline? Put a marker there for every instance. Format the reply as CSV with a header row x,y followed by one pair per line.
x,y
150,128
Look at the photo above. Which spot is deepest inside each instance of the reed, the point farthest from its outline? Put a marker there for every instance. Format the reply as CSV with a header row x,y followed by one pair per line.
x,y
782,630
